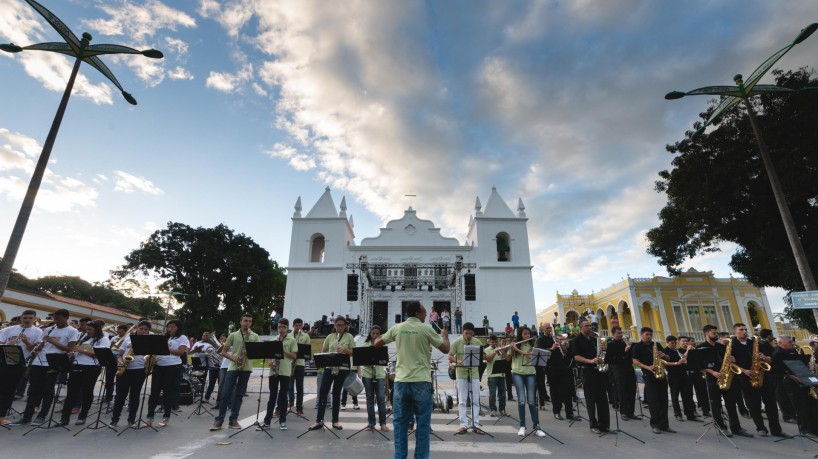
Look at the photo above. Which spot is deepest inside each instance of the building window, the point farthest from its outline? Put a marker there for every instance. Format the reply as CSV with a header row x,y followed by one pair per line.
x,y
317,249
680,320
710,315
503,247
695,317
728,318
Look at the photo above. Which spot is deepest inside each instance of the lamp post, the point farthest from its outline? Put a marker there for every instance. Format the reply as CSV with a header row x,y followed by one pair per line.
x,y
742,92
83,51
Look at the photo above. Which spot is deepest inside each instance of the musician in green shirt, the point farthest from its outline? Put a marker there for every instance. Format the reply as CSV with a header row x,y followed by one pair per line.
x,y
468,379
374,378
525,381
496,382
237,374
297,378
280,371
338,342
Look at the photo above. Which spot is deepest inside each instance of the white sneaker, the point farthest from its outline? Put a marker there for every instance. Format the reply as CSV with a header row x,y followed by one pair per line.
x,y
521,433
539,432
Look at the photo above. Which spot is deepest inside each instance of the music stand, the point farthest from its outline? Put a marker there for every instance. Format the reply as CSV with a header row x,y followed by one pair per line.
x,y
57,362
325,360
368,356
11,356
614,356
697,360
574,378
143,345
539,358
807,379
255,351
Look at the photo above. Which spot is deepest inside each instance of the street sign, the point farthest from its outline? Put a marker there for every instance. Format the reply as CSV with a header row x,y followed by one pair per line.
x,y
805,300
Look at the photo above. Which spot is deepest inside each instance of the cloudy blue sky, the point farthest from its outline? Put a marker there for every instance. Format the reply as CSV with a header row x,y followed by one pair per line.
x,y
559,103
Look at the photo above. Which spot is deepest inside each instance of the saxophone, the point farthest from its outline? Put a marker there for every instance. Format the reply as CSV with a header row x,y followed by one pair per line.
x,y
600,354
274,364
759,367
659,371
120,370
243,354
728,369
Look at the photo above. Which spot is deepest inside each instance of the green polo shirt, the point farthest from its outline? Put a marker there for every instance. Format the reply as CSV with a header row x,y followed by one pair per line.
x,y
366,370
414,339
303,338
521,364
332,343
285,367
235,345
457,350
488,352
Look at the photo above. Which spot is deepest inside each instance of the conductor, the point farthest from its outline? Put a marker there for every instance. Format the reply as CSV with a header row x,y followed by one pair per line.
x,y
413,381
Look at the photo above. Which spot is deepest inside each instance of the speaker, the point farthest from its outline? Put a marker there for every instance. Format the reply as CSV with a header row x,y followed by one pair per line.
x,y
352,287
470,290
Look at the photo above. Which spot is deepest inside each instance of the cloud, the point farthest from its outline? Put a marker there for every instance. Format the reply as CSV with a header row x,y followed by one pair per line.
x,y
229,82
128,183
296,160
179,73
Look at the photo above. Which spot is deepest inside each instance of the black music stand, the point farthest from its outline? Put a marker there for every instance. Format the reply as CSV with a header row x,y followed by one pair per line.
x,y
539,358
324,360
304,352
614,356
807,379
368,356
255,351
697,360
197,363
104,357
143,345
58,362
11,356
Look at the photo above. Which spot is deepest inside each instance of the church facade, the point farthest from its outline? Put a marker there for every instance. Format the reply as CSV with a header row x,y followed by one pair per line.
x,y
488,275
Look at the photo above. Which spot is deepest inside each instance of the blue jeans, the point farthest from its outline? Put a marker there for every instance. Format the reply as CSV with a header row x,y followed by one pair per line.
x,y
297,385
235,380
410,400
375,390
497,391
526,386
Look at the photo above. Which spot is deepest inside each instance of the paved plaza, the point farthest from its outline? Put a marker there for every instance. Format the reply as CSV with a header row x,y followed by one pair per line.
x,y
188,436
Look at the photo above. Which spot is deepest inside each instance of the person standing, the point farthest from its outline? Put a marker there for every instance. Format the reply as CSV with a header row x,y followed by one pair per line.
x,y
238,373
544,341
60,338
742,351
130,383
594,320
458,320
678,379
594,383
374,379
84,372
413,380
434,318
515,321
445,317
497,393
555,322
655,385
297,378
333,377
771,382
468,380
806,409
560,378
280,371
524,380
624,377
25,335
165,375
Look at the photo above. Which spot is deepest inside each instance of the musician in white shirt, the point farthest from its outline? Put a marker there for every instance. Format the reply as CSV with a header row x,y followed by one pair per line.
x,y
129,385
24,335
85,371
166,373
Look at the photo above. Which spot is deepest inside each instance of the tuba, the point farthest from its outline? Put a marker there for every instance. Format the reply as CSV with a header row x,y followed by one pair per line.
x,y
659,371
728,369
759,367
600,353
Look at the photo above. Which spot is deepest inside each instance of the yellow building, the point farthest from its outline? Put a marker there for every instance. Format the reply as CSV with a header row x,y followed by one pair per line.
x,y
679,305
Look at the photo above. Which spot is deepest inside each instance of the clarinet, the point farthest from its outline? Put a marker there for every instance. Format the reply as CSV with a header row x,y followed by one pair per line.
x,y
37,349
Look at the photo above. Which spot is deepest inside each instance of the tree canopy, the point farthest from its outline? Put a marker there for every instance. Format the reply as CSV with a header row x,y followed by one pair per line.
x,y
718,189
222,274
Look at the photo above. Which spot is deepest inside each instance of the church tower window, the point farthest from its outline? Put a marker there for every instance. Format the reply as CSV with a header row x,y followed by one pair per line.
x,y
317,248
503,247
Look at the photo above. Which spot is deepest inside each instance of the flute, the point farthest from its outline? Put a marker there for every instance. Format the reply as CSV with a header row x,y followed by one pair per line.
x,y
515,344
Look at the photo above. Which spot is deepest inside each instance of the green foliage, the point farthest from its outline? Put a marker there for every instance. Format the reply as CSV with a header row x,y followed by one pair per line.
x,y
223,275
718,190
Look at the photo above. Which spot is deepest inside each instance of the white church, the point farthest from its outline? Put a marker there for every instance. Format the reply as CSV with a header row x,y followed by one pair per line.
x,y
488,275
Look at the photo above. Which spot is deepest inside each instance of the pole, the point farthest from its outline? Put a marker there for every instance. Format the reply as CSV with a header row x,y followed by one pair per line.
x,y
19,229
789,225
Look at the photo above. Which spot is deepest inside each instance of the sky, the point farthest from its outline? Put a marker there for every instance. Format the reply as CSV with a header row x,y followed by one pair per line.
x,y
559,103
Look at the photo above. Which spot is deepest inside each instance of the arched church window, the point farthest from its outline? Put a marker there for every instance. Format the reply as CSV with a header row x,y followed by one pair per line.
x,y
503,247
317,248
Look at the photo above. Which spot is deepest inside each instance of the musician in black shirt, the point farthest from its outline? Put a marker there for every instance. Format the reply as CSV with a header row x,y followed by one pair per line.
x,y
805,407
679,381
621,367
742,350
545,341
561,378
594,383
655,388
714,393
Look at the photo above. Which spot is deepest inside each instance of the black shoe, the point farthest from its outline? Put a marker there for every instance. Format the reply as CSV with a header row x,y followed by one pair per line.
x,y
791,421
763,433
679,418
727,433
669,430
558,417
546,399
695,418
745,415
743,433
625,417
780,435
656,430
635,417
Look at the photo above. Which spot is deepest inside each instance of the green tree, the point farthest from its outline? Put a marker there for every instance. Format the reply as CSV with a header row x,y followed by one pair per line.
x,y
223,274
718,190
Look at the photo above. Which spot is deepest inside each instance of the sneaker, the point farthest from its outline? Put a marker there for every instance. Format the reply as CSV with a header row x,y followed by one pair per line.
x,y
558,417
234,425
80,422
300,412
743,433
356,407
20,422
503,413
60,423
114,422
282,426
763,433
679,418
216,426
343,407
539,432
791,421
176,409
264,426
38,421
58,410
521,432
493,414
596,430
